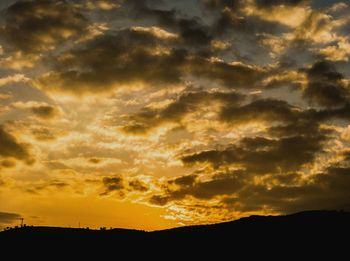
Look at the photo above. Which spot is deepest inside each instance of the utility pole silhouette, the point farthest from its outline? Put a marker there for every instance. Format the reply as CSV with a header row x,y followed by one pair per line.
x,y
22,219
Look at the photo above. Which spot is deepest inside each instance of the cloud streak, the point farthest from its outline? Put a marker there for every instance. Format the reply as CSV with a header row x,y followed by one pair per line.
x,y
8,218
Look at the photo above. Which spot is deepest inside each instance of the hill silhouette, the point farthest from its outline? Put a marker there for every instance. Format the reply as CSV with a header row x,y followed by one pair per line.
x,y
323,230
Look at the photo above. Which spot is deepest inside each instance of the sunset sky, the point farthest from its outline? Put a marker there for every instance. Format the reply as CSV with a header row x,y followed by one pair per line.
x,y
153,114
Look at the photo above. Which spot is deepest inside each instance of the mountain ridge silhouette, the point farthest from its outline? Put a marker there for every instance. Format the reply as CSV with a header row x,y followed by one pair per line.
x,y
303,216
302,231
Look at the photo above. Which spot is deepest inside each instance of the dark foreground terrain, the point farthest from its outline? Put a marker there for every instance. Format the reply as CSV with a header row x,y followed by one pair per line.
x,y
312,231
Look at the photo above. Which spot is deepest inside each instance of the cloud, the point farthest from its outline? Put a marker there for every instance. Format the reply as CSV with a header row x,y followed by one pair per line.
x,y
8,163
325,85
123,185
41,110
113,60
47,186
188,180
157,32
260,110
337,7
113,183
3,97
218,185
45,134
325,190
175,112
242,193
292,139
94,160
17,60
46,112
248,31
342,113
159,200
245,33
317,27
261,155
41,25
12,148
210,4
284,77
146,57
232,75
8,218
337,52
191,31
104,5
287,13
137,185
268,3
16,78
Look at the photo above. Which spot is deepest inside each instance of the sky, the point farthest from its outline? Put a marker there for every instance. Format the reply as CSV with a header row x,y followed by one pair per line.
x,y
152,114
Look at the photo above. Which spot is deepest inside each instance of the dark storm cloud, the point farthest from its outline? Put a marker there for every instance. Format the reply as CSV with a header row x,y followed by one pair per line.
x,y
298,128
10,147
221,3
278,198
291,120
327,190
128,56
196,34
8,218
230,75
191,31
141,55
223,184
260,155
45,111
246,31
36,26
123,185
325,86
188,180
132,56
233,22
297,138
137,185
113,183
268,3
219,185
177,110
283,193
261,109
340,113
159,200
